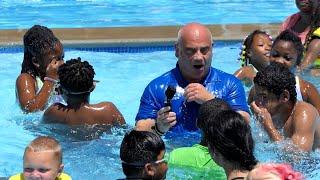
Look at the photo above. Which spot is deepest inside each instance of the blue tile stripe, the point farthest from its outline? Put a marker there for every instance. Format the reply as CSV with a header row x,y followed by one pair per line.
x,y
124,49
116,49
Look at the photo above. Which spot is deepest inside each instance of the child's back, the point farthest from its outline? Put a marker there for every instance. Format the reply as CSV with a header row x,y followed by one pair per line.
x,y
101,113
76,84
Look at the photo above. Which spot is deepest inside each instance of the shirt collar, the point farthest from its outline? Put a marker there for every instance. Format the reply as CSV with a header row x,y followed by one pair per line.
x,y
211,76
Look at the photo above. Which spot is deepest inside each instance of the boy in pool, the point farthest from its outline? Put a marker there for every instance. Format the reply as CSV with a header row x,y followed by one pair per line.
x,y
42,159
142,155
254,55
281,115
43,54
76,84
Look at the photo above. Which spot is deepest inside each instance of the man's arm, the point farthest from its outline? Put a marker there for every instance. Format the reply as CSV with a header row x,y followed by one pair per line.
x,y
164,121
304,120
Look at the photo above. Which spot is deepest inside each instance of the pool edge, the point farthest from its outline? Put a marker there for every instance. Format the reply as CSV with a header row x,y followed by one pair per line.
x,y
136,35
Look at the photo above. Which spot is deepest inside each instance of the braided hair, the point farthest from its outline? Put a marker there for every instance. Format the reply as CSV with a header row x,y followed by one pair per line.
x,y
229,135
315,23
76,76
246,46
37,41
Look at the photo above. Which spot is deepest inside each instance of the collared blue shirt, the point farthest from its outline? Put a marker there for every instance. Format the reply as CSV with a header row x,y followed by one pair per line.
x,y
219,83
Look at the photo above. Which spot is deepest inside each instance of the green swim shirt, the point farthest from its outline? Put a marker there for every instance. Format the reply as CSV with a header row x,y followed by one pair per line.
x,y
196,157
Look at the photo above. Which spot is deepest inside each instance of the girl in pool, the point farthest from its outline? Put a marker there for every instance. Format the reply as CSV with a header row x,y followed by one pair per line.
x,y
43,54
287,49
231,144
300,21
306,24
254,55
312,44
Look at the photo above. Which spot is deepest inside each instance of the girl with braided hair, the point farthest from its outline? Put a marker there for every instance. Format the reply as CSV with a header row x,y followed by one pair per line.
x,y
43,54
76,84
254,55
231,144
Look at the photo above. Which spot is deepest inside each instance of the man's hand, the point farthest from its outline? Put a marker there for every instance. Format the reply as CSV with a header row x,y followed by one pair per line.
x,y
165,119
198,93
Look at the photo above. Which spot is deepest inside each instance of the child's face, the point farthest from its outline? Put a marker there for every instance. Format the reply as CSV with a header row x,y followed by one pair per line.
x,y
304,5
45,59
41,166
259,52
285,53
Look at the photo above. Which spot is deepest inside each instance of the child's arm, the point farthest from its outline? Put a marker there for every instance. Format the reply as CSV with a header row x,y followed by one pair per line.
x,y
310,94
311,55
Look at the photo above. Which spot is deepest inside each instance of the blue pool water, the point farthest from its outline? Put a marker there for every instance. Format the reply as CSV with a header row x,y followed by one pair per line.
x,y
123,77
16,14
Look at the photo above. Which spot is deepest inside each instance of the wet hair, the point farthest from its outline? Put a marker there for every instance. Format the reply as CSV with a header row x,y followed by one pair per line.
x,y
37,41
76,76
289,36
315,22
229,135
281,171
246,46
139,148
276,78
210,108
45,144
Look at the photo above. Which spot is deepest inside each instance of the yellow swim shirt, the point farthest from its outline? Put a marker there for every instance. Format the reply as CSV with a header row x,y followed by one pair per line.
x,y
62,176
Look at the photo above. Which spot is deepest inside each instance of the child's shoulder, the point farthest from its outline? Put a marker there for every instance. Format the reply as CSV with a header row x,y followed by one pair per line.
x,y
105,105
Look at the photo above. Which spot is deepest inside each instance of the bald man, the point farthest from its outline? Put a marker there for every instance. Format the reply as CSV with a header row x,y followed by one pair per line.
x,y
195,82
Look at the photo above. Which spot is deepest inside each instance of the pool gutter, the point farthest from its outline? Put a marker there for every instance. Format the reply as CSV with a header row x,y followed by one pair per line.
x,y
117,36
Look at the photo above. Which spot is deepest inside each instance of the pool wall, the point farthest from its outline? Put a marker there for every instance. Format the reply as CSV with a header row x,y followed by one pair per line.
x,y
118,36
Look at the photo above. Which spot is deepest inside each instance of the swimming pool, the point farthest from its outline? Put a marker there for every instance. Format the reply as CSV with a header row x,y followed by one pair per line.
x,y
123,77
22,14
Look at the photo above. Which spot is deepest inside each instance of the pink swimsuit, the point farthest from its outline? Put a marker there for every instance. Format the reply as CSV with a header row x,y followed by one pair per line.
x,y
290,22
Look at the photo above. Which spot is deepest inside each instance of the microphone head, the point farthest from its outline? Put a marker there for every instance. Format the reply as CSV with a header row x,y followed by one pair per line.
x,y
170,92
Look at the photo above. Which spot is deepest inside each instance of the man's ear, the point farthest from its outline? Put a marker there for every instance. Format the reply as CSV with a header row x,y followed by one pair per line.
x,y
35,62
176,47
149,169
285,96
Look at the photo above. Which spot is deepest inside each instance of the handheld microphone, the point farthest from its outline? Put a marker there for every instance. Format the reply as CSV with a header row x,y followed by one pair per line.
x,y
169,94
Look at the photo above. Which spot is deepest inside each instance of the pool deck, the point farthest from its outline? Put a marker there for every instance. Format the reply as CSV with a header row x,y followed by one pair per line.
x,y
116,36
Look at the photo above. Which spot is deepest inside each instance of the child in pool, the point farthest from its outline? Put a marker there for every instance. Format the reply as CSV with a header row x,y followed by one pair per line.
x,y
42,159
311,57
306,25
300,22
43,54
254,55
287,49
76,84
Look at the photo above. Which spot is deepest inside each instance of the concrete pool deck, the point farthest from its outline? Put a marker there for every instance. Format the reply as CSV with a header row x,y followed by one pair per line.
x,y
117,36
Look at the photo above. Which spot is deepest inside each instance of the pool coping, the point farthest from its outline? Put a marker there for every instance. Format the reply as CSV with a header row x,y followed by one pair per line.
x,y
118,36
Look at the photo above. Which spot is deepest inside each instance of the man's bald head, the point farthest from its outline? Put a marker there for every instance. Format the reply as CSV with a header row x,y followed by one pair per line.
x,y
194,31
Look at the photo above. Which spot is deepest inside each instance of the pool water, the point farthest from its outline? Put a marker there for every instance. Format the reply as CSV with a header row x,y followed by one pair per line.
x,y
22,14
90,153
